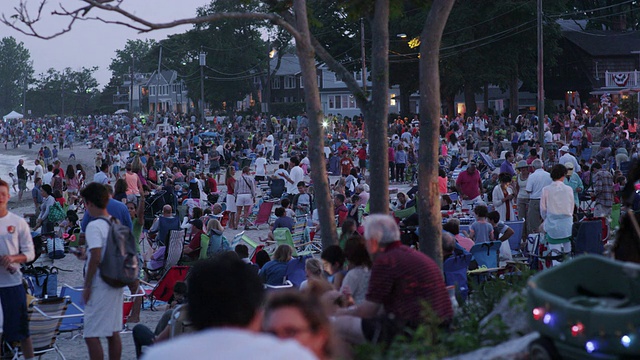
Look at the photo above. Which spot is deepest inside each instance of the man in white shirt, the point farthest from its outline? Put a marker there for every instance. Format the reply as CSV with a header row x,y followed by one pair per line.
x,y
565,157
46,178
225,299
536,182
38,171
269,144
548,137
261,167
556,208
102,177
296,174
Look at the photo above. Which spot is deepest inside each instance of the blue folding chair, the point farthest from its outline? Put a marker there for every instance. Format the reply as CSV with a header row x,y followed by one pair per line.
x,y
624,167
487,253
71,324
586,154
455,273
589,238
295,270
516,239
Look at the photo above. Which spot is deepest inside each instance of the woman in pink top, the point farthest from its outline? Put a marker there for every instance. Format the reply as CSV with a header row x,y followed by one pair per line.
x,y
442,182
133,184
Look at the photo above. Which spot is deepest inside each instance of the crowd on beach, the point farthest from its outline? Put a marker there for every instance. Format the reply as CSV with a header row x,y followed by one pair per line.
x,y
370,287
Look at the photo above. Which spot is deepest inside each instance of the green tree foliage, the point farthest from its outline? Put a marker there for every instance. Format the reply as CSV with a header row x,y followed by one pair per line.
x,y
16,69
616,15
66,92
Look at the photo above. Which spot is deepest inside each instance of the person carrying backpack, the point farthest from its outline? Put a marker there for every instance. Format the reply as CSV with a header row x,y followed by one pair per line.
x,y
103,302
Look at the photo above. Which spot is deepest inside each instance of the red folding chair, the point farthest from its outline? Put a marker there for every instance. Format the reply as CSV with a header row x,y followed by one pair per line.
x,y
264,213
163,290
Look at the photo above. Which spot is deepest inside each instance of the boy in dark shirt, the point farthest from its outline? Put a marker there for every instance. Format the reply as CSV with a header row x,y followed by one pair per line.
x,y
283,221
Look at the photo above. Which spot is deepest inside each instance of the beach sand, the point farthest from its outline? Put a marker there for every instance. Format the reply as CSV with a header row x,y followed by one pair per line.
x,y
75,349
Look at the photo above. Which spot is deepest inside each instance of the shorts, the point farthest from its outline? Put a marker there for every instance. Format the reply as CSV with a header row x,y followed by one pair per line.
x,y
231,203
244,200
362,164
22,184
14,309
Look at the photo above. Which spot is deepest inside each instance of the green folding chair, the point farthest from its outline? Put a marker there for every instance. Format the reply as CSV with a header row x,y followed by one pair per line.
x,y
204,246
282,236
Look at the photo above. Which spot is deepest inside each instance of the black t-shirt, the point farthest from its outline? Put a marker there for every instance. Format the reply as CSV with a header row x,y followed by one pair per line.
x,y
22,172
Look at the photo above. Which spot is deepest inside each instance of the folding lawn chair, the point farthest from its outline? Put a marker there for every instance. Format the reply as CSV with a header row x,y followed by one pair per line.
x,y
236,239
45,317
586,154
455,273
179,323
253,246
286,285
624,167
516,239
588,239
127,307
282,236
71,324
264,213
204,245
163,290
276,188
174,250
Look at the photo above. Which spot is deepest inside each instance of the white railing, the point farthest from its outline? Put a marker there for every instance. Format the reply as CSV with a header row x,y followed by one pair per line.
x,y
622,79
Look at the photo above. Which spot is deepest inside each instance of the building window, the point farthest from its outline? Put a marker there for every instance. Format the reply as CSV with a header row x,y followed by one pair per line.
x,y
342,102
338,78
301,83
318,81
289,82
358,76
275,83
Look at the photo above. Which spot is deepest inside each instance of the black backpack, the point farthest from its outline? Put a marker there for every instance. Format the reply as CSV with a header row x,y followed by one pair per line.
x,y
119,266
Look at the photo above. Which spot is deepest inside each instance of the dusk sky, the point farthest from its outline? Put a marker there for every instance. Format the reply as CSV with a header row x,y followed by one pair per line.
x,y
91,43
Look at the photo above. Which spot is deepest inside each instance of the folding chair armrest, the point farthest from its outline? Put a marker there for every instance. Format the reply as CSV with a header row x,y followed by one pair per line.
x,y
73,288
287,284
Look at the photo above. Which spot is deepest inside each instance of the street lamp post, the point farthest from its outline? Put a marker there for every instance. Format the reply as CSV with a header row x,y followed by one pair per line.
x,y
637,84
272,54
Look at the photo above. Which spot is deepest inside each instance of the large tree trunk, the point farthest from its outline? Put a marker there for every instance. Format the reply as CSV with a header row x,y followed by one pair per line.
x,y
469,100
405,101
376,110
430,219
306,56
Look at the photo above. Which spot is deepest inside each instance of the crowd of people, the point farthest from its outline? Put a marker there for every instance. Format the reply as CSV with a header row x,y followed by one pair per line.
x,y
368,288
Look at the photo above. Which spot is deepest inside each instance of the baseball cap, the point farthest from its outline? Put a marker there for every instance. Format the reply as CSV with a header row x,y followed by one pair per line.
x,y
197,223
564,148
568,165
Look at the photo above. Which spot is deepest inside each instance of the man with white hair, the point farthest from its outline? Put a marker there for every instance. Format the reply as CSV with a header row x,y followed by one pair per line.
x,y
536,182
402,280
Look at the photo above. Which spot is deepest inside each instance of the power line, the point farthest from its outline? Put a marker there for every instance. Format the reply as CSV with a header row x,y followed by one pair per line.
x,y
485,21
585,11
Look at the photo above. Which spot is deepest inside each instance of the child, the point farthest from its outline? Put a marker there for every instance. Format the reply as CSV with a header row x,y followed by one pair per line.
x,y
57,194
502,233
15,181
481,231
286,204
283,221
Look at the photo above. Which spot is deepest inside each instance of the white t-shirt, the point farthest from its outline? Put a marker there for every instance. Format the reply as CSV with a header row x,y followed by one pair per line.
x,y
46,178
15,238
269,142
296,174
227,343
37,171
261,163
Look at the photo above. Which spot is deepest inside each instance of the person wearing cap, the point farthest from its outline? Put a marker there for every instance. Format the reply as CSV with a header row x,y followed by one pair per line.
x,y
556,208
521,184
566,156
469,185
535,183
572,179
507,164
192,250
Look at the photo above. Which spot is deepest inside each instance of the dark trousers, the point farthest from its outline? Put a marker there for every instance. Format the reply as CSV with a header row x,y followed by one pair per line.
x,y
142,336
400,172
392,169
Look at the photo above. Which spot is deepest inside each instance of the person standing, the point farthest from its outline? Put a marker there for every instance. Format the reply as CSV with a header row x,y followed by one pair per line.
x,y
572,179
521,192
22,178
103,303
296,174
230,182
603,190
469,185
16,247
36,195
246,195
556,208
261,167
38,171
503,198
536,182
507,164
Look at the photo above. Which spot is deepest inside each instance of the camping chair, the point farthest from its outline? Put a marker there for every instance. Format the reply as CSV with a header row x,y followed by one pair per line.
x,y
163,290
455,273
264,213
236,239
204,245
295,272
624,167
127,307
72,324
588,239
404,213
287,285
174,250
586,154
516,239
45,317
486,254
253,246
276,188
282,236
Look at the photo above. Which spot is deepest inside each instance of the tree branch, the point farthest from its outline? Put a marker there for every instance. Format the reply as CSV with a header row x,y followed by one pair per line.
x,y
22,15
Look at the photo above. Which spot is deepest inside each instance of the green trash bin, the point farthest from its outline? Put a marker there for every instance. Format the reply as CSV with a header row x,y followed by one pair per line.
x,y
587,308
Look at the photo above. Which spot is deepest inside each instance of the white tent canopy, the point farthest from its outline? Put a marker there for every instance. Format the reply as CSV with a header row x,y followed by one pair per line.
x,y
12,115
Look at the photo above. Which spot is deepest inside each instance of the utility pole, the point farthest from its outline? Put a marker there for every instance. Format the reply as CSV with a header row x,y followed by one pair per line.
x,y
540,80
62,96
24,95
157,110
364,56
133,64
203,63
